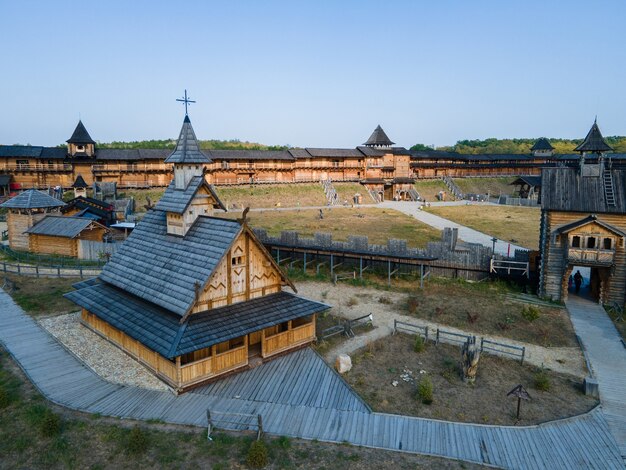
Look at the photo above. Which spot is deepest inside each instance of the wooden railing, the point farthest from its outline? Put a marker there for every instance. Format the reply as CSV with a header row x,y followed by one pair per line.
x,y
281,341
213,365
52,167
591,255
131,167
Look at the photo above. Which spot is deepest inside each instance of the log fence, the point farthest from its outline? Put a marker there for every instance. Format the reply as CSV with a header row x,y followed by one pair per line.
x,y
37,270
230,421
346,327
445,336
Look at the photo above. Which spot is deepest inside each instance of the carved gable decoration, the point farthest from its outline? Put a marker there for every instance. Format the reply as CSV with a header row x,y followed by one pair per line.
x,y
246,271
590,224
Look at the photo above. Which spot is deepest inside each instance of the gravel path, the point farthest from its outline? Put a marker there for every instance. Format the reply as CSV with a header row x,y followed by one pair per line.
x,y
565,360
106,360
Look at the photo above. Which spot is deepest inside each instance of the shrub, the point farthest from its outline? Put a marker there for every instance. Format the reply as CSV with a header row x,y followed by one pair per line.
x,y
137,442
542,381
530,313
283,442
425,390
50,424
257,455
412,304
419,345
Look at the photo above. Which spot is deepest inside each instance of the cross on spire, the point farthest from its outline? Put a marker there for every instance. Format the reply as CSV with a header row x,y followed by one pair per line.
x,y
185,100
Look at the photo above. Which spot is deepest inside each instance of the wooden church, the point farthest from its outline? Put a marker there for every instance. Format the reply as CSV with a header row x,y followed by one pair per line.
x,y
583,223
192,296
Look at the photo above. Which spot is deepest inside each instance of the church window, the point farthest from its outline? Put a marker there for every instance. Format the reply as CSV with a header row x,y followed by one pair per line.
x,y
608,243
591,242
237,260
575,242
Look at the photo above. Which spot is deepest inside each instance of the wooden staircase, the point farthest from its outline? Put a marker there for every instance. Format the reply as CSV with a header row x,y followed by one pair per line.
x,y
609,189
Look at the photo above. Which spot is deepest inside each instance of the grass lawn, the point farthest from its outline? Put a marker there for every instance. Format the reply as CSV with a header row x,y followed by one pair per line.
x,y
519,225
483,308
378,224
394,359
269,195
141,197
43,295
346,191
493,186
429,189
37,435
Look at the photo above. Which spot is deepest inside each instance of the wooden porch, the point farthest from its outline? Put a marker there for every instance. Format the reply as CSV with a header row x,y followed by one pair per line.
x,y
195,368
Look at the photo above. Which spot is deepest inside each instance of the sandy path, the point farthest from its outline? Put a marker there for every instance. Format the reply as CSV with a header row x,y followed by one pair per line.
x,y
565,360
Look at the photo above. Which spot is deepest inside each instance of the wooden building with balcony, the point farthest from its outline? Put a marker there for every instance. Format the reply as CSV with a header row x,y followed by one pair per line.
x,y
583,223
192,296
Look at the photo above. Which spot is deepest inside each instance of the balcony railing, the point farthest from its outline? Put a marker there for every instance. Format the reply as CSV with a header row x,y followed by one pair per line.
x,y
591,255
41,167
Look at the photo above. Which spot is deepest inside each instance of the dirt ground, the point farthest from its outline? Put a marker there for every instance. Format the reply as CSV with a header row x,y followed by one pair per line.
x,y
518,225
393,360
481,308
92,441
342,222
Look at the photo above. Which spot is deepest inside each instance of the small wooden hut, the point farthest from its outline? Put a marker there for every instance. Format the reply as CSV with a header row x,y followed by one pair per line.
x,y
59,235
80,187
24,211
583,223
192,296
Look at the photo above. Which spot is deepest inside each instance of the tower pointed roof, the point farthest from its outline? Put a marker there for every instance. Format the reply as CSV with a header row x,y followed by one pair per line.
x,y
542,144
32,199
187,148
594,142
80,183
80,135
379,137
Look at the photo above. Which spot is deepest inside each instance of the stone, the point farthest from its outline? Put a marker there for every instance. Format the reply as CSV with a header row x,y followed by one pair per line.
x,y
343,363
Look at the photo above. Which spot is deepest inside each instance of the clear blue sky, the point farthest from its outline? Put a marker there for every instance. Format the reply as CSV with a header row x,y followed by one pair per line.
x,y
318,73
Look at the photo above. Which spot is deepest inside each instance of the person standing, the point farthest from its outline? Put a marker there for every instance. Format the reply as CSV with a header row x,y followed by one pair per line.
x,y
578,280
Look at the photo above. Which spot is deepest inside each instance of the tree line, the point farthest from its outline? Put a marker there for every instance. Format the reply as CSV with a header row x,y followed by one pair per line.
x,y
518,146
233,144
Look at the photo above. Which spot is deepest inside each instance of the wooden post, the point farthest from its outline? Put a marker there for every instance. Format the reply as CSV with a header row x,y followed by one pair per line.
x,y
332,265
519,402
421,276
389,272
208,424
360,267
304,264
260,431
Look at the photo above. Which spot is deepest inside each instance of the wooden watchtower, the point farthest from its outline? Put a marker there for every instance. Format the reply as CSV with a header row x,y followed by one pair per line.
x,y
583,223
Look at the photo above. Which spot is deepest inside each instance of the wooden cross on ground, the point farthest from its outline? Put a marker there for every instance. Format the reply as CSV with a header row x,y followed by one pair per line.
x,y
521,393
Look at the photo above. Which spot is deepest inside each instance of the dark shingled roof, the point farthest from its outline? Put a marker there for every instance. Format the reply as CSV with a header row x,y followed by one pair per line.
x,y
162,332
32,199
379,137
341,153
80,135
163,268
60,226
588,220
299,153
371,151
177,200
187,148
533,181
250,155
564,189
80,182
20,151
542,144
594,142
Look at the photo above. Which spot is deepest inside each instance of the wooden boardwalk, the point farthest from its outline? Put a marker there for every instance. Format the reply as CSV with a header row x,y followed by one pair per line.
x,y
607,356
580,442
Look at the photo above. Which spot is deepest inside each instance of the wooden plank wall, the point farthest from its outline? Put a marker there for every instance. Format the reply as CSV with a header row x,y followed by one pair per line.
x,y
17,224
46,244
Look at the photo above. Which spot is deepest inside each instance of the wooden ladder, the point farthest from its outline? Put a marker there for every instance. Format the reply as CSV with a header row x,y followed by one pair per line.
x,y
609,190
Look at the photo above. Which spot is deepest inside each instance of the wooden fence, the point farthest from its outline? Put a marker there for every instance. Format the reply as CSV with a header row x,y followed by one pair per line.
x,y
445,336
49,271
93,250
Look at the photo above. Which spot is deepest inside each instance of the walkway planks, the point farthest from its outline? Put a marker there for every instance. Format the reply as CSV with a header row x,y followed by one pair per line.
x,y
607,356
330,412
